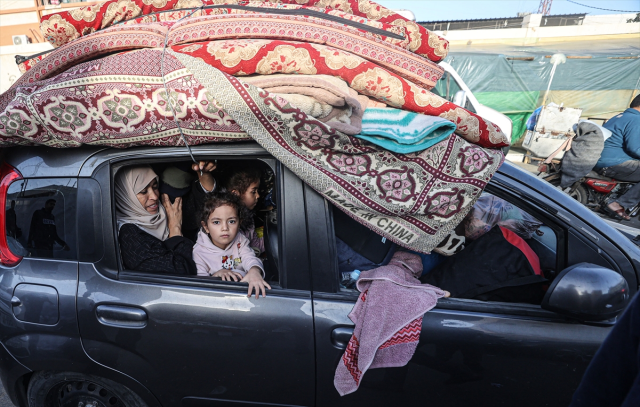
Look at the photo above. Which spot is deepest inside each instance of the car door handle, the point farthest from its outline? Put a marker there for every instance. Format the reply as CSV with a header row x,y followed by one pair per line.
x,y
121,316
340,337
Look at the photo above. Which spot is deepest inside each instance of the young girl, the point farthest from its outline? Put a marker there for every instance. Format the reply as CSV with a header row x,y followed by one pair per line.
x,y
220,250
245,184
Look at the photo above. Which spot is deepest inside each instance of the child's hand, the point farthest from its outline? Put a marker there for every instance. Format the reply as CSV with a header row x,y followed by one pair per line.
x,y
255,280
228,275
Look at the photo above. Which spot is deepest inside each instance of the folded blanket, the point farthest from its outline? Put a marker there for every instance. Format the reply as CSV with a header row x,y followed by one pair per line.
x,y
403,132
388,319
326,98
60,28
247,56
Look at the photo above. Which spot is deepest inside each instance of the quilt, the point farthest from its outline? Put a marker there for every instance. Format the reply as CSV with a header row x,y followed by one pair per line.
x,y
61,28
412,199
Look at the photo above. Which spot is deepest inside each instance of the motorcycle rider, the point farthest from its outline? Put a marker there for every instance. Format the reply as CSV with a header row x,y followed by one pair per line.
x,y
620,158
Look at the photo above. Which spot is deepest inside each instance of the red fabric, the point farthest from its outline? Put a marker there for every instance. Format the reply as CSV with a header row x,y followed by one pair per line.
x,y
265,57
519,242
60,28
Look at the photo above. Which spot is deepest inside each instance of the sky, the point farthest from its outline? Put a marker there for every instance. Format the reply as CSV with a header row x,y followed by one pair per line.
x,y
433,10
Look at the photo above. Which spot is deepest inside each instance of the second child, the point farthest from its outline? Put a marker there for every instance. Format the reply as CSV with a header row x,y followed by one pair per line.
x,y
220,250
245,184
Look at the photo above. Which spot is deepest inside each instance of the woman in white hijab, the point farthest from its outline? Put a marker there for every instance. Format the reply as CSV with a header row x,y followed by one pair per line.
x,y
150,232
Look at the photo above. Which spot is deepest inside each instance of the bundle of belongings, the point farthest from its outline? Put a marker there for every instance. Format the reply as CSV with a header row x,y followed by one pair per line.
x,y
339,92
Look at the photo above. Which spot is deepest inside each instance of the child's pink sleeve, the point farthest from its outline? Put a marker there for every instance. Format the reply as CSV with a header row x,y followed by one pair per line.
x,y
201,264
248,256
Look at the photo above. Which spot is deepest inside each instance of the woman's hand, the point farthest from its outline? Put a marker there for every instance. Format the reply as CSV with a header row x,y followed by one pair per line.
x,y
227,275
255,280
174,215
204,170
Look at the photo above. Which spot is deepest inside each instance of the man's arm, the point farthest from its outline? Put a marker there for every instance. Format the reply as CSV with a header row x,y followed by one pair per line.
x,y
631,137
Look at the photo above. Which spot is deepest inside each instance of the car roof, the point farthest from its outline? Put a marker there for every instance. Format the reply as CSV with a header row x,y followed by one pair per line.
x,y
33,162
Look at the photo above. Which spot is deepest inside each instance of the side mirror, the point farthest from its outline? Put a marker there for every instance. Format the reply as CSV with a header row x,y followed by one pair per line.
x,y
587,292
460,98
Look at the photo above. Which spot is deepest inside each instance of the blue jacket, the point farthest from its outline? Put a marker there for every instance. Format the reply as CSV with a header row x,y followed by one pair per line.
x,y
624,143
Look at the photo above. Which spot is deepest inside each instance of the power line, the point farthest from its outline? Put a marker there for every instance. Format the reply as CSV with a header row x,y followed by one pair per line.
x,y
605,9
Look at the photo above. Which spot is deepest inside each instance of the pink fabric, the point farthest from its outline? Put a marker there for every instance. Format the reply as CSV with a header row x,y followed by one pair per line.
x,y
238,256
254,239
388,319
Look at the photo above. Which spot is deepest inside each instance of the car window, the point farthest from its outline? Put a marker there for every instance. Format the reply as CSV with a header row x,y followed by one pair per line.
x,y
532,246
447,87
41,218
262,232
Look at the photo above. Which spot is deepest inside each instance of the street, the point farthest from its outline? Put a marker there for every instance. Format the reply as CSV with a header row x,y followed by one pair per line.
x,y
4,399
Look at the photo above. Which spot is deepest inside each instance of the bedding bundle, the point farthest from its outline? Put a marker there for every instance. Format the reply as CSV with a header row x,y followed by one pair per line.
x,y
338,91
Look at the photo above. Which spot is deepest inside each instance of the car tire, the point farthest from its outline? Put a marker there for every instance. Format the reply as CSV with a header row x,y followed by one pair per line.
x,y
579,193
66,389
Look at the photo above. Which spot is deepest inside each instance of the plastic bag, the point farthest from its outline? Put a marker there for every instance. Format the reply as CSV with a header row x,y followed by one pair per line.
x,y
490,210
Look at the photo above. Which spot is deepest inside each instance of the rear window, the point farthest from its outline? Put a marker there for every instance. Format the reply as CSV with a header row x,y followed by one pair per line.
x,y
41,218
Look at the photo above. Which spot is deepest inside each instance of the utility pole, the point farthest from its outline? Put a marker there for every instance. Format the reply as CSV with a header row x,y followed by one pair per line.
x,y
545,7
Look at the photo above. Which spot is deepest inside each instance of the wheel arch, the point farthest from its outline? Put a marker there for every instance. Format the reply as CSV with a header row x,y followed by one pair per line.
x,y
22,384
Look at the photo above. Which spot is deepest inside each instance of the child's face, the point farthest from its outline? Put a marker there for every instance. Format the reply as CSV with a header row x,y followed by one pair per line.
x,y
250,196
222,226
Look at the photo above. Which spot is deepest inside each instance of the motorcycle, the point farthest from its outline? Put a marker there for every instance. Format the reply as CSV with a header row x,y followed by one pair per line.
x,y
550,132
593,190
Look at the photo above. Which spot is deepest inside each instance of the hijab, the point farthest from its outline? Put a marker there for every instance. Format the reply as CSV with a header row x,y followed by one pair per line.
x,y
129,182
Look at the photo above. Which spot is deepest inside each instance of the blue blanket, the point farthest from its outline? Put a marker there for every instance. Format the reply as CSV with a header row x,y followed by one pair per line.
x,y
403,132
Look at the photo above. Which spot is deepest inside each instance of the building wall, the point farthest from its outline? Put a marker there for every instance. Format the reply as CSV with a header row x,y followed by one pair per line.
x,y
10,72
596,28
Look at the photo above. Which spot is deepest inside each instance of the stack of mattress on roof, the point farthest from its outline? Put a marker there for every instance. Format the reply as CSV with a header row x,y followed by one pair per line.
x,y
301,79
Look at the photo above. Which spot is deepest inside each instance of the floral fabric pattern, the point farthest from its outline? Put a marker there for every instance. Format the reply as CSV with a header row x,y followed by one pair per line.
x,y
276,56
421,41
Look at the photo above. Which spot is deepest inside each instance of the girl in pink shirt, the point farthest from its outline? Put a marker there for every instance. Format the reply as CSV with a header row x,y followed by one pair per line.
x,y
220,250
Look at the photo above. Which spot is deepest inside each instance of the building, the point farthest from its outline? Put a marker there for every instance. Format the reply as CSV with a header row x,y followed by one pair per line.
x,y
536,29
20,32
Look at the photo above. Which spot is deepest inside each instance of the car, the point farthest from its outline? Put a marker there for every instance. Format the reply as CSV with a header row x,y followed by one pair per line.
x,y
77,328
453,88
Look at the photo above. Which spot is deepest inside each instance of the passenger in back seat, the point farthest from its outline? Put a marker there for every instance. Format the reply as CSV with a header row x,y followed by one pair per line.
x,y
245,184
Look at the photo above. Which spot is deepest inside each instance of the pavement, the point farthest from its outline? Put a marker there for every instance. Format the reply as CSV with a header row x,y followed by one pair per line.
x,y
4,399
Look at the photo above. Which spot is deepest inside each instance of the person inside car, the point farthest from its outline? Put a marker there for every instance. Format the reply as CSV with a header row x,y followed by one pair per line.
x,y
179,181
620,158
223,252
245,184
150,232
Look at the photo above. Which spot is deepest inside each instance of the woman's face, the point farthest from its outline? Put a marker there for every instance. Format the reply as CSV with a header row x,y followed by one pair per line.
x,y
149,196
250,196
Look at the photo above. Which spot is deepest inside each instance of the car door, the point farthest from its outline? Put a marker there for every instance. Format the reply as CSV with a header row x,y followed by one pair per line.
x,y
194,341
470,352
39,268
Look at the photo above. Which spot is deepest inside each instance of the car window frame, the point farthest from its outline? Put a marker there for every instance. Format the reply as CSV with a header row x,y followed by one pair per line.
x,y
114,268
459,304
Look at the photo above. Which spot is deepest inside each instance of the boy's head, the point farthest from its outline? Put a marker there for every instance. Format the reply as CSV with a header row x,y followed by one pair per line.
x,y
245,184
221,215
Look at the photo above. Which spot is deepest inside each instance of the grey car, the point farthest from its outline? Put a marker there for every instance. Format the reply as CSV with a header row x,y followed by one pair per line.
x,y
78,329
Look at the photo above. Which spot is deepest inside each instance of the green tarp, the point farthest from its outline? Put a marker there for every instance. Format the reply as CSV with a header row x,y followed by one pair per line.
x,y
600,84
